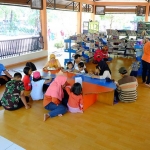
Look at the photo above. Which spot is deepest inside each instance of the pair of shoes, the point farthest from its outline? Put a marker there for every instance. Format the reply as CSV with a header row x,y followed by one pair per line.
x,y
147,84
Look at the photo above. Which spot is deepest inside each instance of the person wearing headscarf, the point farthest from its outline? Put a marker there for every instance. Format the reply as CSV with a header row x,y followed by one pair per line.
x,y
102,71
146,64
52,63
53,97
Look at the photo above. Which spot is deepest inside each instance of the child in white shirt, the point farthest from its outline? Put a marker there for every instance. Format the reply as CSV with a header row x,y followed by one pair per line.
x,y
81,68
37,86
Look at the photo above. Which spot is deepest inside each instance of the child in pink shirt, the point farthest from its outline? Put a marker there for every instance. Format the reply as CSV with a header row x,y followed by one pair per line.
x,y
75,102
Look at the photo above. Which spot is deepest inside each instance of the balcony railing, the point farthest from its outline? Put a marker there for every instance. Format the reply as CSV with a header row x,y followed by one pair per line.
x,y
17,47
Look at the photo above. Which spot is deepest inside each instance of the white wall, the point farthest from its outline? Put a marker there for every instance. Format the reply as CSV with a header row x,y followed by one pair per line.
x,y
23,58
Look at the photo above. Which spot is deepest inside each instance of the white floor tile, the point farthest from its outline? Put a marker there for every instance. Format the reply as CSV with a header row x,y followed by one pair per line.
x,y
15,147
4,143
8,145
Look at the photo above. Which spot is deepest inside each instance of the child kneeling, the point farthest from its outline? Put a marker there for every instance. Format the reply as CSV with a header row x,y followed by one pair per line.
x,y
37,86
75,102
13,97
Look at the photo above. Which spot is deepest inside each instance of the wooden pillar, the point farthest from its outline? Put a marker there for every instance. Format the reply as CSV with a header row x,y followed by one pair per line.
x,y
79,19
93,14
147,12
43,16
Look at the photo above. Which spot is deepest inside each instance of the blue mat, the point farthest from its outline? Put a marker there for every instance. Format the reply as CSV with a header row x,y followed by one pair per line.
x,y
101,82
89,79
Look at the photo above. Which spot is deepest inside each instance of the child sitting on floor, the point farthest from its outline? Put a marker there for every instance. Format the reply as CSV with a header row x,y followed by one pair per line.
x,y
70,67
27,80
13,97
81,68
75,102
37,86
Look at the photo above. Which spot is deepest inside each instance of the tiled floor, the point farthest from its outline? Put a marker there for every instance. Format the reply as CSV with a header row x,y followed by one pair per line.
x,y
8,145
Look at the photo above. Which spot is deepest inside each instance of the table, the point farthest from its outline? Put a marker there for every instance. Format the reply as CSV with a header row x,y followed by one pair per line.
x,y
93,89
93,92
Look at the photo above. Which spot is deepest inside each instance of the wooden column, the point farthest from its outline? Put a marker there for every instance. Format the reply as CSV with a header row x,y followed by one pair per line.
x,y
147,12
43,16
79,19
93,14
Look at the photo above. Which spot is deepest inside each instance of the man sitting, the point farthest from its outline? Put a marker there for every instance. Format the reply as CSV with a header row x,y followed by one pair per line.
x,y
77,60
126,87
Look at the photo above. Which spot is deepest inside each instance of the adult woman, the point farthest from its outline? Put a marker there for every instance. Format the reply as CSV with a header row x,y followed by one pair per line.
x,y
53,97
102,71
146,64
52,63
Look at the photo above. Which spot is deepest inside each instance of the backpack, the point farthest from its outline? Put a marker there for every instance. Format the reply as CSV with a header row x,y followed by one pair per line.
x,y
31,65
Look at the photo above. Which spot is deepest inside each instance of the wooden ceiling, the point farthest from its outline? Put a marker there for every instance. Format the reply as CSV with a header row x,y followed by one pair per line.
x,y
66,2
63,4
27,2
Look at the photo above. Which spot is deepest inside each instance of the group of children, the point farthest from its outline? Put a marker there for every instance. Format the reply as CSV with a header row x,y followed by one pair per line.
x,y
70,67
17,92
34,86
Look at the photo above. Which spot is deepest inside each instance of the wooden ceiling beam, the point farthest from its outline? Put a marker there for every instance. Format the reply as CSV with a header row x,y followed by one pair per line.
x,y
120,10
13,1
121,3
85,1
58,6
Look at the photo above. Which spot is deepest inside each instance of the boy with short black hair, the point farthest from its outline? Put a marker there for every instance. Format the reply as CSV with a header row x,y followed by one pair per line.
x,y
13,97
81,67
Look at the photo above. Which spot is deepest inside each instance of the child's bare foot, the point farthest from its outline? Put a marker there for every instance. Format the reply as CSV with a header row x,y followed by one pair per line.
x,y
60,115
46,116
